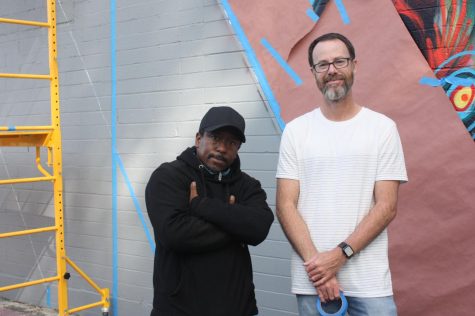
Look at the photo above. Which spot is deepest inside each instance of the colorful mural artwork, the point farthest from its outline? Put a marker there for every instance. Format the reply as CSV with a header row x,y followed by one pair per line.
x,y
444,31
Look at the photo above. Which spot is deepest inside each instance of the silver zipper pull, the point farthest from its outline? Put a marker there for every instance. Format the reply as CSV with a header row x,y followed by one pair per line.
x,y
220,176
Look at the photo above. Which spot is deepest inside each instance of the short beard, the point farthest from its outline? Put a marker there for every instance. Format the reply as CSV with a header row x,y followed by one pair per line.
x,y
335,94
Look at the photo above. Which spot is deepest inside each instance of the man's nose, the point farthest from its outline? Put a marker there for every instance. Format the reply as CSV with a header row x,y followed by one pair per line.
x,y
331,69
221,146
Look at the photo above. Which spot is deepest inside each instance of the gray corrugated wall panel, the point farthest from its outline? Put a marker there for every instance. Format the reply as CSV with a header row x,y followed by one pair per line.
x,y
85,160
164,113
259,161
264,311
148,69
276,233
140,296
277,301
271,283
271,248
229,77
280,267
246,92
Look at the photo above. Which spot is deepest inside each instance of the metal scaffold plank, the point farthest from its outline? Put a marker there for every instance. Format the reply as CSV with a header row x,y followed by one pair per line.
x,y
25,139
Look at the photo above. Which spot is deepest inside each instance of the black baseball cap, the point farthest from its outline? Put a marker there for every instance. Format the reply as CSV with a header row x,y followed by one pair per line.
x,y
224,116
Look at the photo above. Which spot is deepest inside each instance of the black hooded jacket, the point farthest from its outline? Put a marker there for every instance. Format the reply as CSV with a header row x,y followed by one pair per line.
x,y
202,262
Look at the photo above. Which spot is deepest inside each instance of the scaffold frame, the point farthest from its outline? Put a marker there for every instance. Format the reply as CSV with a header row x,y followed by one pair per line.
x,y
48,137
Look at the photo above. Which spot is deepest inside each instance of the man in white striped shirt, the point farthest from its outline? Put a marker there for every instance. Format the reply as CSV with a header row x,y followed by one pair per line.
x,y
338,175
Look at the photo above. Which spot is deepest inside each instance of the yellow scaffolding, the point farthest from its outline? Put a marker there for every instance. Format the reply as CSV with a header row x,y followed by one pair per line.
x,y
48,137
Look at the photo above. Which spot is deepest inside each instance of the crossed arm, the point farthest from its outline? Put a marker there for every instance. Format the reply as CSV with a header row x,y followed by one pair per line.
x,y
189,223
322,267
168,206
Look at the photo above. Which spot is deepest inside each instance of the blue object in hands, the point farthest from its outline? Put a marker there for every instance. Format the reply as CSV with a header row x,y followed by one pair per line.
x,y
340,312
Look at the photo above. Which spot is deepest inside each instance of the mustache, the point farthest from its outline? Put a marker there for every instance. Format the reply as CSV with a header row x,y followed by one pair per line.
x,y
333,77
217,156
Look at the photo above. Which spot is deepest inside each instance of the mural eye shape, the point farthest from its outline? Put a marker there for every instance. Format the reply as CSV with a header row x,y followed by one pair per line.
x,y
462,97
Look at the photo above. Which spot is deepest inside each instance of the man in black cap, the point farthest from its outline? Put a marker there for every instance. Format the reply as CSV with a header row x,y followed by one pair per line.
x,y
205,212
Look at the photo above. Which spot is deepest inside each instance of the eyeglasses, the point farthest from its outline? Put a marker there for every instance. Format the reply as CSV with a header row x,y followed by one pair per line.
x,y
337,63
218,139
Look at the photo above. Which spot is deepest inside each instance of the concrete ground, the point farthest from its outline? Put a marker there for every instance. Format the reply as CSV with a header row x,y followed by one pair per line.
x,y
11,308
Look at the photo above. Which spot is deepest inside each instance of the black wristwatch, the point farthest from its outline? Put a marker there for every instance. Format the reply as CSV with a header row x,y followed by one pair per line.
x,y
347,250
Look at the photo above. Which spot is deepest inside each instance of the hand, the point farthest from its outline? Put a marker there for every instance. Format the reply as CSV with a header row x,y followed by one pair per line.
x,y
324,266
329,291
193,191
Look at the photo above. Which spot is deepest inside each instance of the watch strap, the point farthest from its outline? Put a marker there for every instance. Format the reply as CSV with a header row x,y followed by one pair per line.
x,y
346,249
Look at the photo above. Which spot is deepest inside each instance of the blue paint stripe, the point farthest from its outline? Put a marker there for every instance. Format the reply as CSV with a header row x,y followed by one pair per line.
x,y
472,126
456,81
48,296
12,128
254,63
460,82
281,61
137,205
342,10
115,259
312,15
433,82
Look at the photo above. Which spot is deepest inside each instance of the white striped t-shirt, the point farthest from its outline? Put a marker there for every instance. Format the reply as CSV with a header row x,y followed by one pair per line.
x,y
337,165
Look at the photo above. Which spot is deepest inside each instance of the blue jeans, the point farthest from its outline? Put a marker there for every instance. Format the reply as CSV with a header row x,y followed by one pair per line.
x,y
357,306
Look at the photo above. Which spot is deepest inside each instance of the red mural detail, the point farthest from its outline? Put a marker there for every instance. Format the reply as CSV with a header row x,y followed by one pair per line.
x,y
451,38
444,30
403,8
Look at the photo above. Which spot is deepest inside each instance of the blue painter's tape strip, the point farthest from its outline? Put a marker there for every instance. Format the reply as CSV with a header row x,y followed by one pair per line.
x,y
433,82
342,10
115,256
137,205
281,61
261,77
115,247
312,15
12,128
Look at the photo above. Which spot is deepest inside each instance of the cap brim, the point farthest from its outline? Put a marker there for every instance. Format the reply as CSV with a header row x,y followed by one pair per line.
x,y
236,130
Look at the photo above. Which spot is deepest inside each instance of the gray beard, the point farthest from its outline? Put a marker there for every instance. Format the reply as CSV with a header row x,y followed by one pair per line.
x,y
335,94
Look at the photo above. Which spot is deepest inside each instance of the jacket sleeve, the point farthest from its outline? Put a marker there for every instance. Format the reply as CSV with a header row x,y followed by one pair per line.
x,y
248,220
167,200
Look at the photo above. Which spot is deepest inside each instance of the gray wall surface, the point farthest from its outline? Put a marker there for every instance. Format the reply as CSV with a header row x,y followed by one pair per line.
x,y
175,60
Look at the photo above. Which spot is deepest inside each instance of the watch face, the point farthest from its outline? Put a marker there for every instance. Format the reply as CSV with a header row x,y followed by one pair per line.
x,y
348,251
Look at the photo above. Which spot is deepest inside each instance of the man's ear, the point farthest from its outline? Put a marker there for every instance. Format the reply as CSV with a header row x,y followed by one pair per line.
x,y
197,139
